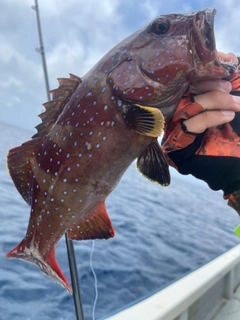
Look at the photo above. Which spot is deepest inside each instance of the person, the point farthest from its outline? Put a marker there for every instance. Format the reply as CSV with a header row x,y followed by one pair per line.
x,y
203,137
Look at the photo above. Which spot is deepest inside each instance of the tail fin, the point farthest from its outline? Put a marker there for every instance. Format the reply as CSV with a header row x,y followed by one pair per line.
x,y
47,263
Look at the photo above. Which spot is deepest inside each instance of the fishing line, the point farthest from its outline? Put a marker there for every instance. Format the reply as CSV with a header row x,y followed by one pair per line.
x,y
95,280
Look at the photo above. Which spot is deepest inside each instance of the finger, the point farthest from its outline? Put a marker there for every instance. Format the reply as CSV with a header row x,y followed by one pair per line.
x,y
213,85
215,100
208,119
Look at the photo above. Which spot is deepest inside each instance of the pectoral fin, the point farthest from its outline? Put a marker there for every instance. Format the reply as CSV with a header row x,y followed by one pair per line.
x,y
153,164
147,121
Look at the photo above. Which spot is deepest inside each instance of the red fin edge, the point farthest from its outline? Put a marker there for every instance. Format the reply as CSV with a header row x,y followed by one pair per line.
x,y
47,263
96,226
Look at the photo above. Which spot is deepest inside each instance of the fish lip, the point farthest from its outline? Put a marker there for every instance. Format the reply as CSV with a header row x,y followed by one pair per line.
x,y
205,45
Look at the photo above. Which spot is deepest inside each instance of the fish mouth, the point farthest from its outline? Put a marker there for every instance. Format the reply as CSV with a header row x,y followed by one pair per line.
x,y
227,61
217,63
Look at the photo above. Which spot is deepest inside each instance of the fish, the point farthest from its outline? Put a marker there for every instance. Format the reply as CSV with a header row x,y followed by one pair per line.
x,y
96,126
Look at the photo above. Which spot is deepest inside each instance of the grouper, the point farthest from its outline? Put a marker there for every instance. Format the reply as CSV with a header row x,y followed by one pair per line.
x,y
96,126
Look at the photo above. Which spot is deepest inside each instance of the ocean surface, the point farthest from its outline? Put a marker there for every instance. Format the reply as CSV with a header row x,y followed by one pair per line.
x,y
161,234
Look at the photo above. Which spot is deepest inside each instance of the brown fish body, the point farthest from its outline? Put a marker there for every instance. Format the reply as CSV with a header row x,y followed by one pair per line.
x,y
96,126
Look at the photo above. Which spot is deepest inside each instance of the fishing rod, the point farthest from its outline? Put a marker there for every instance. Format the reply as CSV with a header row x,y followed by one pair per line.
x,y
69,244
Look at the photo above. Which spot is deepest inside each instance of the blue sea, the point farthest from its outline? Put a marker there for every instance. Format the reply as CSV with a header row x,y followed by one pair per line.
x,y
161,234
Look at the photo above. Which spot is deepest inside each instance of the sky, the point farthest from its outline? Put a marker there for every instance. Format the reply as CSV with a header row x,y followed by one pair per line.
x,y
76,34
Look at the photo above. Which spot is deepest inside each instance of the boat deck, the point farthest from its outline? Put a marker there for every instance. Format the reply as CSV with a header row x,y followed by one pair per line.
x,y
230,309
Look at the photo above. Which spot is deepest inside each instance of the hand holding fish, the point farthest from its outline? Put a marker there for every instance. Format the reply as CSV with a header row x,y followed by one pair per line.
x,y
219,106
208,144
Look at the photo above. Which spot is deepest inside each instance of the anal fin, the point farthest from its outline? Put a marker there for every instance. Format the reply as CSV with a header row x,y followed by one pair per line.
x,y
153,164
96,226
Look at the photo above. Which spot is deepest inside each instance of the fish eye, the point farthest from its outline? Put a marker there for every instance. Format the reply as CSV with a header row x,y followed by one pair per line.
x,y
160,26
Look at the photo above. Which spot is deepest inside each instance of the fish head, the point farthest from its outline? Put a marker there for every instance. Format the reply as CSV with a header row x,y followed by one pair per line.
x,y
156,64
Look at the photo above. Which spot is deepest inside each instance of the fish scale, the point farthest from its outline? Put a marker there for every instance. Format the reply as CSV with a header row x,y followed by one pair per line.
x,y
94,127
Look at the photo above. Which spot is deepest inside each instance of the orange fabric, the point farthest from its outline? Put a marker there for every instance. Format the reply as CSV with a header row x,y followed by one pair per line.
x,y
234,200
220,141
175,138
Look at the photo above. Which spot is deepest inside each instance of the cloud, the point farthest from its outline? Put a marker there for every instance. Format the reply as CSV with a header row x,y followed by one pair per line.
x,y
77,33
12,81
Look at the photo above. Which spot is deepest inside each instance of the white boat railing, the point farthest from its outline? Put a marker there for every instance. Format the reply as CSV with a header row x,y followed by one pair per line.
x,y
200,295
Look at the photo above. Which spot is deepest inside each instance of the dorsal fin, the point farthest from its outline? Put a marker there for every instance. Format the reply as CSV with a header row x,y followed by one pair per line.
x,y
96,226
54,107
19,158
